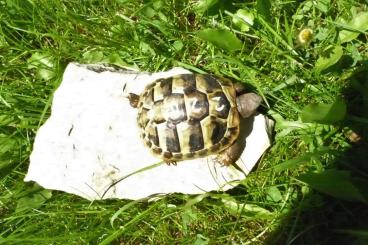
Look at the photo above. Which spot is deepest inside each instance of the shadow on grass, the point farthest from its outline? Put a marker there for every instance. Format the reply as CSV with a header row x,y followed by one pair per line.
x,y
323,219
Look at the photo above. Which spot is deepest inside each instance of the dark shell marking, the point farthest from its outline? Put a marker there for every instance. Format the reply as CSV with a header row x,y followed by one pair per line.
x,y
189,115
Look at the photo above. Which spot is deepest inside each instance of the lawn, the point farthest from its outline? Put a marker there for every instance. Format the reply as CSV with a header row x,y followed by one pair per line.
x,y
307,59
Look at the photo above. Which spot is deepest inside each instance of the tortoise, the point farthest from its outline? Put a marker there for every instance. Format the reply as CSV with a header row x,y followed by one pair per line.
x,y
193,115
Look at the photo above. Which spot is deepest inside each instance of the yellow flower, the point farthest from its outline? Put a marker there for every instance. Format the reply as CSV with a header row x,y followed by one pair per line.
x,y
305,36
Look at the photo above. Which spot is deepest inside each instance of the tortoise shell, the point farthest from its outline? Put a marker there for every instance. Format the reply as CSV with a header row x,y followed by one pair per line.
x,y
187,116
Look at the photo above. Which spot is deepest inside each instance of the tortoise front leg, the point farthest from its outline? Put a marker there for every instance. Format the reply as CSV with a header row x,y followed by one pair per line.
x,y
133,99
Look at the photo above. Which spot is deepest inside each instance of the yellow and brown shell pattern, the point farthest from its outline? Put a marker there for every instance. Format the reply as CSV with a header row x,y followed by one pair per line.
x,y
188,116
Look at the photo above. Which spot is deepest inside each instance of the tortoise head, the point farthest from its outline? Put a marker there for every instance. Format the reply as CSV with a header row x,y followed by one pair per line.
x,y
248,103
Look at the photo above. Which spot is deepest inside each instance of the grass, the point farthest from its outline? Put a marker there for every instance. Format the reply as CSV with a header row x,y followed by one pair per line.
x,y
309,188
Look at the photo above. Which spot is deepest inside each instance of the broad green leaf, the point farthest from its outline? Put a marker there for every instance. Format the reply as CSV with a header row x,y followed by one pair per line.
x,y
286,127
201,240
330,57
121,210
292,163
6,119
34,200
264,8
290,81
205,5
195,200
273,194
246,210
163,17
158,4
115,59
93,56
99,57
336,183
323,5
358,23
178,45
321,34
44,65
221,38
212,7
148,12
305,158
146,48
354,52
243,19
38,59
7,144
188,217
361,233
324,113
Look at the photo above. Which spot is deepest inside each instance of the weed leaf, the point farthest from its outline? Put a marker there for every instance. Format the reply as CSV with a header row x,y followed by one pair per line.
x,y
243,19
305,158
273,194
93,56
212,7
264,8
323,5
293,163
336,183
178,45
221,38
44,64
205,5
189,216
148,12
358,23
121,210
329,58
201,240
34,200
324,113
246,210
355,232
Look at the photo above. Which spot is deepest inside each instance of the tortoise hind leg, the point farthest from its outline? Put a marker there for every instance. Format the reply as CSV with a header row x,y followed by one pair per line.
x,y
231,154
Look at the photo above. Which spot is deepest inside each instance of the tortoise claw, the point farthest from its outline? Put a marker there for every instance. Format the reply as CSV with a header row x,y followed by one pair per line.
x,y
171,163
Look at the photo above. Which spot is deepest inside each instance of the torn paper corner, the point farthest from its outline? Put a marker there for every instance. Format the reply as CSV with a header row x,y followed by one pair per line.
x,y
91,141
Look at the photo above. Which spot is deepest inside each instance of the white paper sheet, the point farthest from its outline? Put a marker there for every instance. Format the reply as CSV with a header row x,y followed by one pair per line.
x,y
91,141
